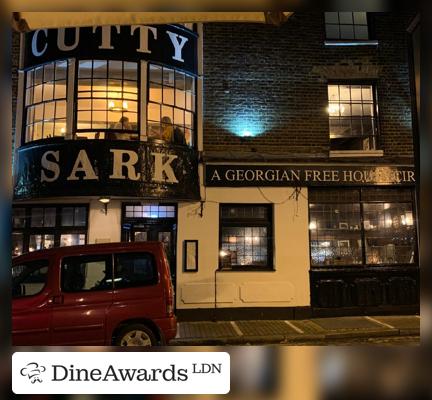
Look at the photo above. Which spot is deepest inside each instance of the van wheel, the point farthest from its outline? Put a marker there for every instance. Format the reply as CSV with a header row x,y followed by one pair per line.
x,y
136,335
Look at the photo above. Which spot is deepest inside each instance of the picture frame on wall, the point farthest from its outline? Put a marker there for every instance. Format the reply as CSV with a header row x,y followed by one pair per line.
x,y
190,256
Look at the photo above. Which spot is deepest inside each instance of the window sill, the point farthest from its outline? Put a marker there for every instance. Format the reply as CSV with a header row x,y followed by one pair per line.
x,y
351,43
355,153
252,269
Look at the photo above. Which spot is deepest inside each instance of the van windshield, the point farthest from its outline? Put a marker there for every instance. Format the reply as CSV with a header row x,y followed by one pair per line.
x,y
29,278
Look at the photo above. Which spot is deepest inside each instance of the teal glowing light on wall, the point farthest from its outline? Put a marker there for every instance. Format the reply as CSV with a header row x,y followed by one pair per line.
x,y
247,124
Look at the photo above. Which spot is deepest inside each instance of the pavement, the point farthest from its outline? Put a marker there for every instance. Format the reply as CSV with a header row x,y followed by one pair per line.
x,y
316,330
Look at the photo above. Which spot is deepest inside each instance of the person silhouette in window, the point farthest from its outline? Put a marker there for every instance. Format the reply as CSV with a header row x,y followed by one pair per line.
x,y
123,124
167,129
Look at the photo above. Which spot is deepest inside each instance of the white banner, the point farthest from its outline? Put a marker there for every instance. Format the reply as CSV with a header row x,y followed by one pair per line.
x,y
120,372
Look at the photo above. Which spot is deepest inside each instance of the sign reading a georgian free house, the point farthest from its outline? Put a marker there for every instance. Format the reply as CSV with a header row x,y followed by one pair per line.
x,y
306,175
100,168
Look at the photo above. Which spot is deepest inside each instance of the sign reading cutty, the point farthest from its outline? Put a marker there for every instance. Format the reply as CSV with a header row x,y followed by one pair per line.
x,y
306,175
168,44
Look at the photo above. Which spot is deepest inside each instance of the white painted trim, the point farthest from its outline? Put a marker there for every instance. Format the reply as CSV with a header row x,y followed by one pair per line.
x,y
143,101
356,153
70,103
380,323
19,123
236,328
351,43
200,88
296,328
252,163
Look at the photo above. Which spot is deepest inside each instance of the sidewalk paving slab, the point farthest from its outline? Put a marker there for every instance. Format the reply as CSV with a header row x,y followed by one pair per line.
x,y
278,331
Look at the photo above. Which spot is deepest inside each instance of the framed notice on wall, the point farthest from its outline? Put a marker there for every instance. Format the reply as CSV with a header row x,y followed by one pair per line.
x,y
190,256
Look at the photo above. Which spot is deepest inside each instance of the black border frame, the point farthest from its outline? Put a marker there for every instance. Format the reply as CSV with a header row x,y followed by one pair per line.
x,y
185,243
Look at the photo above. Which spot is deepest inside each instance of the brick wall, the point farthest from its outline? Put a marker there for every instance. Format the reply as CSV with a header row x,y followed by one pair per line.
x,y
274,79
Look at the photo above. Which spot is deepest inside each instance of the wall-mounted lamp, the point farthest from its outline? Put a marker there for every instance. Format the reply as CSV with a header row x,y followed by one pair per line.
x,y
105,200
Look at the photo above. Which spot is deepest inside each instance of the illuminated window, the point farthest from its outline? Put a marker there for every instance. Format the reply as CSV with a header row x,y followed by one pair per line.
x,y
246,237
107,100
346,25
44,227
352,117
171,105
45,101
361,227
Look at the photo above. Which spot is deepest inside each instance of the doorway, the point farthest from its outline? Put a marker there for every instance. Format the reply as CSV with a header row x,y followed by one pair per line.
x,y
143,222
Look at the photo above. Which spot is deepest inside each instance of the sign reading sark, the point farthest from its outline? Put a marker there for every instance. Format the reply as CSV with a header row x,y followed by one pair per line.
x,y
307,175
137,169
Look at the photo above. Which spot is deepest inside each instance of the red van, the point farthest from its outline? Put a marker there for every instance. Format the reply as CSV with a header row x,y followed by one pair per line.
x,y
102,294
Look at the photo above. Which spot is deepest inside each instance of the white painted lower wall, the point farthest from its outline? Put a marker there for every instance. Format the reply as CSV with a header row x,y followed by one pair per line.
x,y
287,286
104,228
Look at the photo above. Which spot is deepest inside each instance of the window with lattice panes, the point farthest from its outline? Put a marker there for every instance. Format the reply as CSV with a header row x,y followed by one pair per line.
x,y
45,101
352,117
107,99
245,237
171,105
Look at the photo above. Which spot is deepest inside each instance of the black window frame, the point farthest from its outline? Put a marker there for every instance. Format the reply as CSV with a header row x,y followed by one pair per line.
x,y
248,222
27,230
361,202
107,131
370,29
376,116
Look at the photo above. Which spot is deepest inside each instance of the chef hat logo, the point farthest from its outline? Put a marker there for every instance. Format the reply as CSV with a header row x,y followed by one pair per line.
x,y
33,371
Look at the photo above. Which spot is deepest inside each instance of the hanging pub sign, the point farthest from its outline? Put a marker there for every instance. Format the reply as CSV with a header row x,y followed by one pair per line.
x,y
113,168
168,44
306,175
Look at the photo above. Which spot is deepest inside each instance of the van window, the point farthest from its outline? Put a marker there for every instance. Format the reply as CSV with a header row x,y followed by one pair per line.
x,y
135,269
85,273
29,279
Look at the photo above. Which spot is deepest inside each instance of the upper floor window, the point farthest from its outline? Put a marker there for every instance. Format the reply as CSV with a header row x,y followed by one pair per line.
x,y
106,102
107,98
352,117
45,101
346,26
171,105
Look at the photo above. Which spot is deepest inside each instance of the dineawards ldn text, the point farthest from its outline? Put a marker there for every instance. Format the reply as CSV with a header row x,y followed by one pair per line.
x,y
113,374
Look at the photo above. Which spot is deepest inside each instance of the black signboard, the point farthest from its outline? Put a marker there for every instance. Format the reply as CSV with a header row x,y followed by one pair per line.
x,y
107,168
168,44
306,175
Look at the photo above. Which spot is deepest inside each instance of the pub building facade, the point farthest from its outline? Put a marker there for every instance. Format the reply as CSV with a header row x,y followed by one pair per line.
x,y
275,163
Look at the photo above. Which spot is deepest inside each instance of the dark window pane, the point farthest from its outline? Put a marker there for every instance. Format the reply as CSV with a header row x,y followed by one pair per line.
x,y
18,217
132,270
80,216
331,17
37,217
67,216
332,31
85,273
29,279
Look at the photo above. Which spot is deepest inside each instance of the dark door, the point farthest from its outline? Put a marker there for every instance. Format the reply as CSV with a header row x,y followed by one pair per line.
x,y
161,227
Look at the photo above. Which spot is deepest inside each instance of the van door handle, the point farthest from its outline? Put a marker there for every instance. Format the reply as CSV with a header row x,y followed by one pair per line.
x,y
56,300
